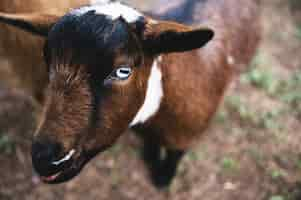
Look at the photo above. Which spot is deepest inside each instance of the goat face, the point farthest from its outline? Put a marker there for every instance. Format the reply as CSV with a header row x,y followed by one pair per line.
x,y
93,93
100,63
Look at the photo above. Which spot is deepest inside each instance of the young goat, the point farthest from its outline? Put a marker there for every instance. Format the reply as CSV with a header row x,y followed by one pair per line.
x,y
111,67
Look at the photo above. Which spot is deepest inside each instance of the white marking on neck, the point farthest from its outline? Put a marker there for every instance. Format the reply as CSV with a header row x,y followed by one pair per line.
x,y
66,158
114,10
154,94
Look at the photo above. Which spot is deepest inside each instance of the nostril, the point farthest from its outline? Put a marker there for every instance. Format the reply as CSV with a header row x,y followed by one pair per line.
x,y
45,151
43,154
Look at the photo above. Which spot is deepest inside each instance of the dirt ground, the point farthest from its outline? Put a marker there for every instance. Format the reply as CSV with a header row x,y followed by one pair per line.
x,y
251,151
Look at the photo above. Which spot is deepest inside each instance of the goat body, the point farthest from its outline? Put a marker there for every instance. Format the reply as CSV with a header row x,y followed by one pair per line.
x,y
111,67
194,82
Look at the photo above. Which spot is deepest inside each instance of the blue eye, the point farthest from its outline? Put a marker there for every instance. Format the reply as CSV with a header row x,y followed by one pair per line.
x,y
123,73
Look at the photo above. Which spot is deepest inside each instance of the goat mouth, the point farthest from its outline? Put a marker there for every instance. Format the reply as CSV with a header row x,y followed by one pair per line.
x,y
50,178
70,171
66,173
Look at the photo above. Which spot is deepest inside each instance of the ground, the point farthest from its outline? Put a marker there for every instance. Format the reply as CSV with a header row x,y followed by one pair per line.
x,y
251,150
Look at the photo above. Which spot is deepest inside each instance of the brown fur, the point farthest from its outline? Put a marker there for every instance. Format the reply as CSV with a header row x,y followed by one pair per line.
x,y
88,112
24,50
194,82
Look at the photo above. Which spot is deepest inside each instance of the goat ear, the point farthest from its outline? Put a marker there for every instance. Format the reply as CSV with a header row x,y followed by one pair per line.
x,y
35,23
167,37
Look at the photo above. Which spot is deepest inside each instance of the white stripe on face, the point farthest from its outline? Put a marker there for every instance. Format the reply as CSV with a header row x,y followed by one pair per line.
x,y
114,10
66,158
154,94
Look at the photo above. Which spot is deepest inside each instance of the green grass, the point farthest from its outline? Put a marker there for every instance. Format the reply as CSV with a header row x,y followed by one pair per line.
x,y
221,116
235,104
286,93
298,32
229,164
284,90
291,93
270,120
195,156
276,174
198,154
257,75
264,119
292,83
277,197
7,146
262,79
298,164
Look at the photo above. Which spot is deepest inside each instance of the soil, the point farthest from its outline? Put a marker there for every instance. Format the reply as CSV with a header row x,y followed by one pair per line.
x,y
239,158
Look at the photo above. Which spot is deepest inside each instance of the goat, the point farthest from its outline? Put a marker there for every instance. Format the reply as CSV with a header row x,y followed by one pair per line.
x,y
112,67
23,50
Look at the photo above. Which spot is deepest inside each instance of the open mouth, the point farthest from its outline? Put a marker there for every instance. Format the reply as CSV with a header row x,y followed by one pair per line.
x,y
62,176
50,178
70,166
67,168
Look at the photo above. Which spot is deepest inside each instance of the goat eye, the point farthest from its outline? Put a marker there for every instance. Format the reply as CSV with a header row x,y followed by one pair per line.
x,y
123,73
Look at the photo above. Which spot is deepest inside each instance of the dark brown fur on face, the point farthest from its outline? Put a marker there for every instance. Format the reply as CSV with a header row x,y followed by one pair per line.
x,y
89,111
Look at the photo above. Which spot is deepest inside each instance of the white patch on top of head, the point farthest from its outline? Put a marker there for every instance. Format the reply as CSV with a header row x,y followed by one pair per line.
x,y
66,158
114,10
93,2
154,94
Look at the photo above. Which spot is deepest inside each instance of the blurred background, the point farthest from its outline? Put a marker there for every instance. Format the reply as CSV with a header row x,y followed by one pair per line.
x,y
251,151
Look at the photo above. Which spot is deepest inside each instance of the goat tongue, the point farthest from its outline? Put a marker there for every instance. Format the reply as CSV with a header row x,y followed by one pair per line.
x,y
50,178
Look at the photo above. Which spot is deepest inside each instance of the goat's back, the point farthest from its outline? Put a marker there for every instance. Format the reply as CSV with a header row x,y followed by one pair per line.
x,y
236,23
195,81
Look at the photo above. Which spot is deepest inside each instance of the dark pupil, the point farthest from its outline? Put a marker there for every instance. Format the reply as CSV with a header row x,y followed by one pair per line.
x,y
124,71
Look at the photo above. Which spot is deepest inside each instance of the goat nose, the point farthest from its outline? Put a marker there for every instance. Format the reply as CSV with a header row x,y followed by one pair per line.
x,y
43,154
